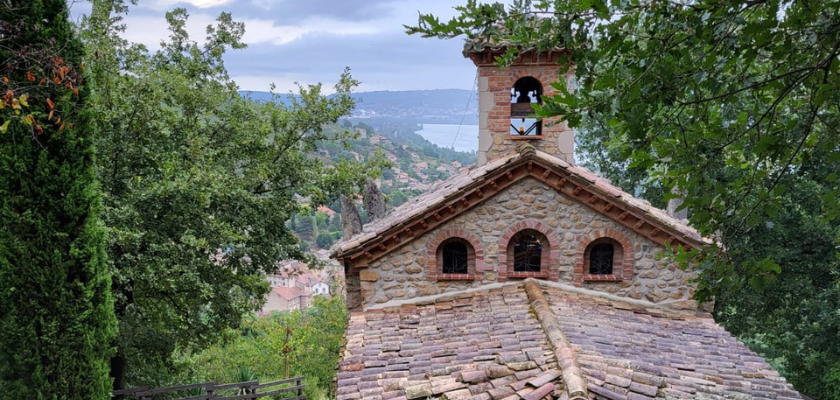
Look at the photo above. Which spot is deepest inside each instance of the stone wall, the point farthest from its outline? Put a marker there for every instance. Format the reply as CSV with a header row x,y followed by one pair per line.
x,y
411,271
494,112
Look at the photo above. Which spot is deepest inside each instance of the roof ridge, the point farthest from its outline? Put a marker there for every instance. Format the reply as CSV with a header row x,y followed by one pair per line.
x,y
563,351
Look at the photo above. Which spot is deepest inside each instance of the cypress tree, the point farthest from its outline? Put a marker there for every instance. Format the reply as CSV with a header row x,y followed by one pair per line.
x,y
56,312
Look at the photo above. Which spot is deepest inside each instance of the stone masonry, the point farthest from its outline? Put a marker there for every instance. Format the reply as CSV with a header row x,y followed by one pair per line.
x,y
411,271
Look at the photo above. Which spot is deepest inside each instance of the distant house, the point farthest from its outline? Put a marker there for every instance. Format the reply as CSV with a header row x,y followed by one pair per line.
x,y
325,209
376,139
307,281
287,272
294,284
285,299
320,289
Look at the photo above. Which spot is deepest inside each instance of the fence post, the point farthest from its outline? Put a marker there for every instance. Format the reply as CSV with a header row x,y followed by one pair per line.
x,y
300,390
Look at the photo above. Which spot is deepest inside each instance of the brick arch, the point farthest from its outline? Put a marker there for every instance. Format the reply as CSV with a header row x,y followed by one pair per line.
x,y
545,77
548,263
625,272
477,264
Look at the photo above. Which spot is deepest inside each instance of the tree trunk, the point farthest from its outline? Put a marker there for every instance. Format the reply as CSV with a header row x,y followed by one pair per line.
x,y
118,371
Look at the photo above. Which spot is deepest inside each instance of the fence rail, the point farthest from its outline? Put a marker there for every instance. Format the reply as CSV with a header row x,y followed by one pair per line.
x,y
210,390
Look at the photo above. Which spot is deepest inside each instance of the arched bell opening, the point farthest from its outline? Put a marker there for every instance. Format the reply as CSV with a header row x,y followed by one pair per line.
x,y
526,91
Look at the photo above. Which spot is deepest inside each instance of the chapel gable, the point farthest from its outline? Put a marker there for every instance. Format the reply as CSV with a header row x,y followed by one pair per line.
x,y
527,215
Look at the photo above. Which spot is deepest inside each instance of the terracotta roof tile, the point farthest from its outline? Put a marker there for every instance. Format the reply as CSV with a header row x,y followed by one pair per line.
x,y
479,346
495,347
628,354
288,293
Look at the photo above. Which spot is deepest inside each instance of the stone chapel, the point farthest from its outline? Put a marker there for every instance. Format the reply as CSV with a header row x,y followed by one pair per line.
x,y
529,277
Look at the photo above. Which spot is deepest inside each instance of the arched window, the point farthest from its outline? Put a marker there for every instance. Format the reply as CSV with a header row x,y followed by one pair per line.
x,y
603,257
527,251
455,259
526,91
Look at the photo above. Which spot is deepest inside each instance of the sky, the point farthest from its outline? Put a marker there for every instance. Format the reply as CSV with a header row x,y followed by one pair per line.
x,y
311,41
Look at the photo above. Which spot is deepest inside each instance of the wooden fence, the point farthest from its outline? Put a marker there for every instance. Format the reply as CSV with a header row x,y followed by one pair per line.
x,y
210,390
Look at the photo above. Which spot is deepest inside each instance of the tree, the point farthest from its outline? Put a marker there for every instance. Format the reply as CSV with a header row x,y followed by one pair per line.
x,y
312,339
734,104
305,226
321,220
387,174
324,240
57,317
335,222
199,184
397,198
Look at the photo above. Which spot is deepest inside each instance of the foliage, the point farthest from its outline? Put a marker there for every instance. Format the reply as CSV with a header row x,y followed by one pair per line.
x,y
57,318
324,240
397,198
335,222
688,89
199,183
304,225
321,220
278,346
794,320
735,104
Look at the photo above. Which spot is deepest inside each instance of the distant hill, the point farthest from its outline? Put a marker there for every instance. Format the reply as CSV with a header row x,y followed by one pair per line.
x,y
422,106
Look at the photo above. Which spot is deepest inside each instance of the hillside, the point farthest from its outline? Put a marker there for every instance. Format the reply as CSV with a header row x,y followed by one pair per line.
x,y
420,106
417,164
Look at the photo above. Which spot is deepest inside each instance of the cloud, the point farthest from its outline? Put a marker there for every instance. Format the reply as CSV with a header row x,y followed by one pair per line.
x,y
168,4
311,41
381,62
150,30
260,30
289,11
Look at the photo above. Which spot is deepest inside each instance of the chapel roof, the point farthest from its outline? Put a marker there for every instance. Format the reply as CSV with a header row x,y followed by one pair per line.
x,y
444,196
530,340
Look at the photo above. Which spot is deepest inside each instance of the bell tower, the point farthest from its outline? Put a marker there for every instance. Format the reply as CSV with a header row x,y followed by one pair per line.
x,y
505,99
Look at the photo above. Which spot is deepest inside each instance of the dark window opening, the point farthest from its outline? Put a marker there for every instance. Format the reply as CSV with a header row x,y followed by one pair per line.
x,y
455,258
601,259
527,253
